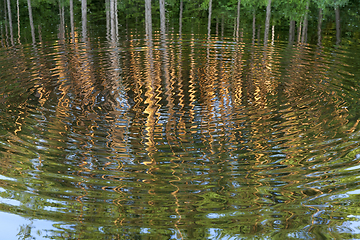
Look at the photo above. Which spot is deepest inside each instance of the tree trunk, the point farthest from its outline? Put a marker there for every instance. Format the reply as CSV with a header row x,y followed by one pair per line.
x,y
305,25
254,28
292,31
6,18
39,32
267,22
162,15
72,19
18,19
222,25
116,19
31,21
337,21
180,17
84,18
163,38
62,22
112,20
107,12
209,18
234,34
299,32
319,26
2,36
148,20
238,19
10,23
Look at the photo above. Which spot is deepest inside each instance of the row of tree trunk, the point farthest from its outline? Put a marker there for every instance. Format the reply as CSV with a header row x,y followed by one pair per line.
x,y
112,21
8,18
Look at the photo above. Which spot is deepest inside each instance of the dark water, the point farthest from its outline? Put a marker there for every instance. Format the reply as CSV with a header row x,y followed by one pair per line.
x,y
178,137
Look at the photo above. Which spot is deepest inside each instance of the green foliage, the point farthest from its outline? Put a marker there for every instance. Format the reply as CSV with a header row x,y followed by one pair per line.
x,y
293,9
193,10
331,3
132,8
253,4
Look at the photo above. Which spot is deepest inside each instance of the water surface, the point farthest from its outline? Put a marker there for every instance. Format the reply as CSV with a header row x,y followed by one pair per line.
x,y
178,136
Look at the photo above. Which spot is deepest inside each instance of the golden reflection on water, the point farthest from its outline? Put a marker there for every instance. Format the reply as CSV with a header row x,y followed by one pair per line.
x,y
176,132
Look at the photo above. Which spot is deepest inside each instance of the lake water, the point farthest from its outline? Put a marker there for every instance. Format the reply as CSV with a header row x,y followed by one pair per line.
x,y
179,136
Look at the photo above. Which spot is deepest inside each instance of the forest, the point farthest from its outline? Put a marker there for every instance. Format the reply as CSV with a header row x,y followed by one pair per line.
x,y
284,13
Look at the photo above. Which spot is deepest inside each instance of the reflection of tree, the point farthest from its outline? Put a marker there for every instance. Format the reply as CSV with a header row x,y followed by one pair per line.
x,y
219,135
25,232
152,87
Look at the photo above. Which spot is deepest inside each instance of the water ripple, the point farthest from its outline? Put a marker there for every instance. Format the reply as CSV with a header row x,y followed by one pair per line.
x,y
179,134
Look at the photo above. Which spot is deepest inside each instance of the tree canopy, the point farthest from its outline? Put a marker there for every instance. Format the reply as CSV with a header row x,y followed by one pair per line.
x,y
282,11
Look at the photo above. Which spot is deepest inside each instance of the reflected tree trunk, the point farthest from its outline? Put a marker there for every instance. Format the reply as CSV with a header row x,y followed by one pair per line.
x,y
305,25
84,18
267,22
10,22
292,31
238,19
209,19
114,71
180,17
319,26
337,22
181,126
31,21
168,65
72,20
151,109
